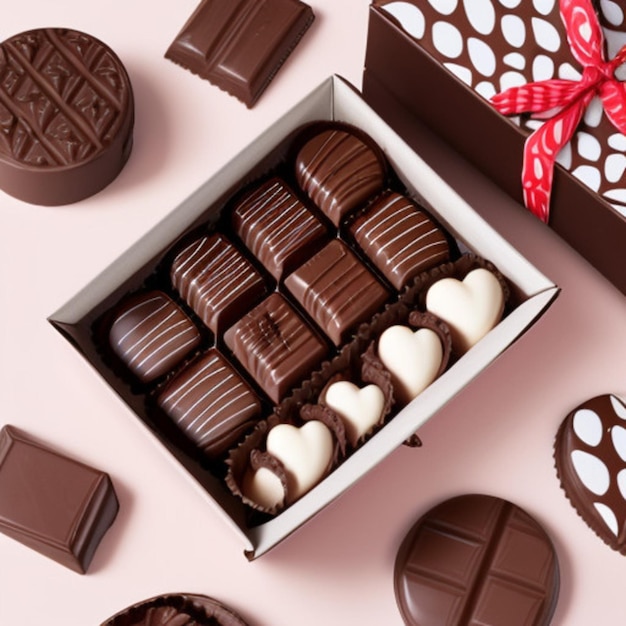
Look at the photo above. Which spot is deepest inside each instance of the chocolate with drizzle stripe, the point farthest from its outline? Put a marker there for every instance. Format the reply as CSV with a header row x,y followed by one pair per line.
x,y
339,172
337,290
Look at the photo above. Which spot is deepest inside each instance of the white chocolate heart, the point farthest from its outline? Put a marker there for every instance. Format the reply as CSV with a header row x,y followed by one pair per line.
x,y
412,358
263,487
471,307
306,453
359,409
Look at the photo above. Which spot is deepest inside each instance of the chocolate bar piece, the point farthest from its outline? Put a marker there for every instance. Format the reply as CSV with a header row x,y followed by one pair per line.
x,y
66,115
337,290
151,334
239,45
276,227
216,281
58,506
590,455
476,559
180,609
276,346
399,238
339,172
210,403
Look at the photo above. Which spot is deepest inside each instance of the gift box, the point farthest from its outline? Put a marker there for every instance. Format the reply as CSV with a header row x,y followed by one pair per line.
x,y
333,100
445,61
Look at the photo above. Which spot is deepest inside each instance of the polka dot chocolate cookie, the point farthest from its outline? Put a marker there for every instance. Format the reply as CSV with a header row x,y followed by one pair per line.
x,y
590,455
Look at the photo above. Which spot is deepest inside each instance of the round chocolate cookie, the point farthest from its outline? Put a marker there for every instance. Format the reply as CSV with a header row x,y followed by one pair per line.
x,y
180,609
476,559
66,116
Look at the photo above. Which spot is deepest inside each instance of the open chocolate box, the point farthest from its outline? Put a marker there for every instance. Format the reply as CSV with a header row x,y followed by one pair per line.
x,y
442,62
81,319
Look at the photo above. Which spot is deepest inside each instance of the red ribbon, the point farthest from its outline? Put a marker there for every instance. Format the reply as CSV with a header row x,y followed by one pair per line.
x,y
565,101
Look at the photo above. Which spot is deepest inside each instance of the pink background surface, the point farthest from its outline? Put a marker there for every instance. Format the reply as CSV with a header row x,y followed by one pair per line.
x,y
495,437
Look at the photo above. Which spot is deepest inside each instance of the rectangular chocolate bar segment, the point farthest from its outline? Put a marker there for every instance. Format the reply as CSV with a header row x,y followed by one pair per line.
x,y
51,503
239,45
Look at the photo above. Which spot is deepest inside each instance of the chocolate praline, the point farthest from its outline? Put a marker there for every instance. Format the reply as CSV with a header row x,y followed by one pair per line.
x,y
399,238
337,290
276,346
67,115
339,172
276,227
210,403
151,334
216,280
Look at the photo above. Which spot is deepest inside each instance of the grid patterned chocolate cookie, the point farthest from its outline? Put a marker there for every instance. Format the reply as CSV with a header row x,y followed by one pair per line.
x,y
66,116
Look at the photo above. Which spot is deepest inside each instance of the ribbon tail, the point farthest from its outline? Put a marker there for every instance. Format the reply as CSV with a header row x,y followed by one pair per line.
x,y
540,151
545,95
613,94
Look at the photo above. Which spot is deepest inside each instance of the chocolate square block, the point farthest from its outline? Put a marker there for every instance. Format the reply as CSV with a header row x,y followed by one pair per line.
x,y
337,290
210,403
240,45
276,227
58,506
399,238
151,334
276,346
216,280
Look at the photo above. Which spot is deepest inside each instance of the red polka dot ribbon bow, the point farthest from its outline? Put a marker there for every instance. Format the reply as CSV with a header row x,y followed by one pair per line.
x,y
565,101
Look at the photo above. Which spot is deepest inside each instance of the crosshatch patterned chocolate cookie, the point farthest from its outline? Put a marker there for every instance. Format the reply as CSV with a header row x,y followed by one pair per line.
x,y
176,609
590,456
66,116
476,559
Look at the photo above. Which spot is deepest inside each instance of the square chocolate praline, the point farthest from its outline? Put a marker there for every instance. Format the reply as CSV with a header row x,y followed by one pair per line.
x,y
53,504
216,280
276,346
399,238
210,403
337,290
276,227
151,334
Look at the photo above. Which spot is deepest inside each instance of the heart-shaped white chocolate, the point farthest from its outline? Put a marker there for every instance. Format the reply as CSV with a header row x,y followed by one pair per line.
x,y
263,487
306,453
471,307
412,358
359,409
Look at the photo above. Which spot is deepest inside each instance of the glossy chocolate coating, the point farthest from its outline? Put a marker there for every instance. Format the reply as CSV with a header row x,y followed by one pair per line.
x,y
399,238
590,455
476,559
339,172
180,609
276,346
216,280
53,504
239,45
151,334
337,290
66,112
276,227
210,403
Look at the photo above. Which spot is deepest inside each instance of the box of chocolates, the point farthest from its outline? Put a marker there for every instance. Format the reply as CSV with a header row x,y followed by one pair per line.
x,y
303,313
529,92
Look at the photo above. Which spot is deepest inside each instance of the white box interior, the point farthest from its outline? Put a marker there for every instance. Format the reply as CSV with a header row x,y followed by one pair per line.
x,y
334,99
